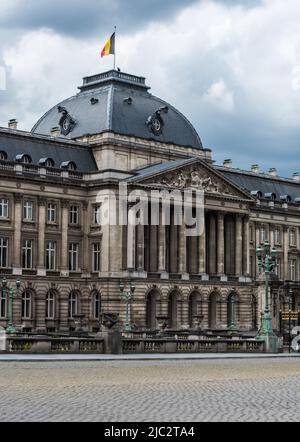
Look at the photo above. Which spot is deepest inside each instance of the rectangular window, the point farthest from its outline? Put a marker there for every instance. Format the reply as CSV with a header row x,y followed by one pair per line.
x,y
3,208
3,253
263,235
73,257
27,254
51,213
97,215
96,256
278,268
292,269
28,211
50,306
3,304
51,255
251,233
292,238
277,236
74,215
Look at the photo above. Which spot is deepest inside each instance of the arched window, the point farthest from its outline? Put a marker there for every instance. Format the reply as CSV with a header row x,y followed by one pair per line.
x,y
69,165
96,304
173,310
24,158
3,155
47,162
151,309
50,305
26,305
3,304
73,304
195,308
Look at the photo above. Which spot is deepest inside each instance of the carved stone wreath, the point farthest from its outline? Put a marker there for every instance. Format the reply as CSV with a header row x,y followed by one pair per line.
x,y
66,123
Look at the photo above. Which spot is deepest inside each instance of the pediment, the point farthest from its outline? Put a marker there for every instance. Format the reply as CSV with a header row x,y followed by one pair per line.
x,y
197,175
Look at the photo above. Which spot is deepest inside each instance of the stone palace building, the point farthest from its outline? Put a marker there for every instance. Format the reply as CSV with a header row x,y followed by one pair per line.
x,y
69,264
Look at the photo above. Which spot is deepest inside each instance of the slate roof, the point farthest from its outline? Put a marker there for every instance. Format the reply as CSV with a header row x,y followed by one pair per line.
x,y
17,142
109,112
250,181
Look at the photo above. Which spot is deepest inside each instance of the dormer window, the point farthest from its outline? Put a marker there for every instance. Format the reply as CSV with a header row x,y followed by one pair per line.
x,y
3,155
46,162
69,165
270,196
257,194
25,159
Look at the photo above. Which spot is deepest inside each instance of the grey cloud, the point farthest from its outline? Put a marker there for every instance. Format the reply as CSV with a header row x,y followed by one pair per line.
x,y
76,18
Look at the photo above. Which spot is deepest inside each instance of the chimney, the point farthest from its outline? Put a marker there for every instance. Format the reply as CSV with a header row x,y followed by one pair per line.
x,y
255,168
296,176
55,132
13,124
273,171
227,164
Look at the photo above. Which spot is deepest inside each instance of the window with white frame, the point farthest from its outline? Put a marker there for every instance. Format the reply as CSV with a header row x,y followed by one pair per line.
x,y
292,269
51,255
277,235
51,213
97,215
96,299
3,253
73,304
3,208
74,215
73,256
96,256
3,304
26,305
50,305
292,235
27,254
28,211
278,268
263,234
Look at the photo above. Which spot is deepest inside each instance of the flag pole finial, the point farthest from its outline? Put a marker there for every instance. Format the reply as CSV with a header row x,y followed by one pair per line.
x,y
115,49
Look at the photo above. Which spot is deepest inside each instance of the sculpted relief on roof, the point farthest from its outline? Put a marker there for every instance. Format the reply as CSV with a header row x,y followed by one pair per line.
x,y
195,177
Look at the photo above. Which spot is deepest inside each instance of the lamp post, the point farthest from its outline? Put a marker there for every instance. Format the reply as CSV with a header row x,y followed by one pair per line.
x,y
267,264
10,327
127,295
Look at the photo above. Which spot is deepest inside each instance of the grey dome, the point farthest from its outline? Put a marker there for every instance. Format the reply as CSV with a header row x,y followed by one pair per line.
x,y
120,103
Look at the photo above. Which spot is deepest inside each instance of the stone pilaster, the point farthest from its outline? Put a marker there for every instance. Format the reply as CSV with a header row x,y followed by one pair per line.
x,y
131,246
246,247
64,238
162,248
286,252
86,263
182,248
41,270
17,266
202,251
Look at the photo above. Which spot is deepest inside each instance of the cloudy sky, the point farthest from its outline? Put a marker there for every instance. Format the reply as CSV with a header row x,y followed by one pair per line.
x,y
232,66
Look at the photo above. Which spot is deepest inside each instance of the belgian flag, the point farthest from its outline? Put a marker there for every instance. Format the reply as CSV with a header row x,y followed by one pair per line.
x,y
109,48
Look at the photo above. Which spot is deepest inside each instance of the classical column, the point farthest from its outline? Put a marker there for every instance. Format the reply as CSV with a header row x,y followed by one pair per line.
x,y
140,247
182,248
64,238
41,270
131,242
220,247
212,244
17,266
238,245
162,248
246,246
202,251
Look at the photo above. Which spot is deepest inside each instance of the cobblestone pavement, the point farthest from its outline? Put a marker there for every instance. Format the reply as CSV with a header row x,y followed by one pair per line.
x,y
145,391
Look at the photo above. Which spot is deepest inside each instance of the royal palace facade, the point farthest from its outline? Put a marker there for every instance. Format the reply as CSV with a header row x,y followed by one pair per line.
x,y
69,264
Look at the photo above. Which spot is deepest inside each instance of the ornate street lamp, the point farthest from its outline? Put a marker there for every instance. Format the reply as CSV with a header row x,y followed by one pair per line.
x,y
267,263
10,328
232,309
127,295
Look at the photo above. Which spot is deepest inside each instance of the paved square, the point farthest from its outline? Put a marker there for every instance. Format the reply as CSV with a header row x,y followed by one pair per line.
x,y
145,391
